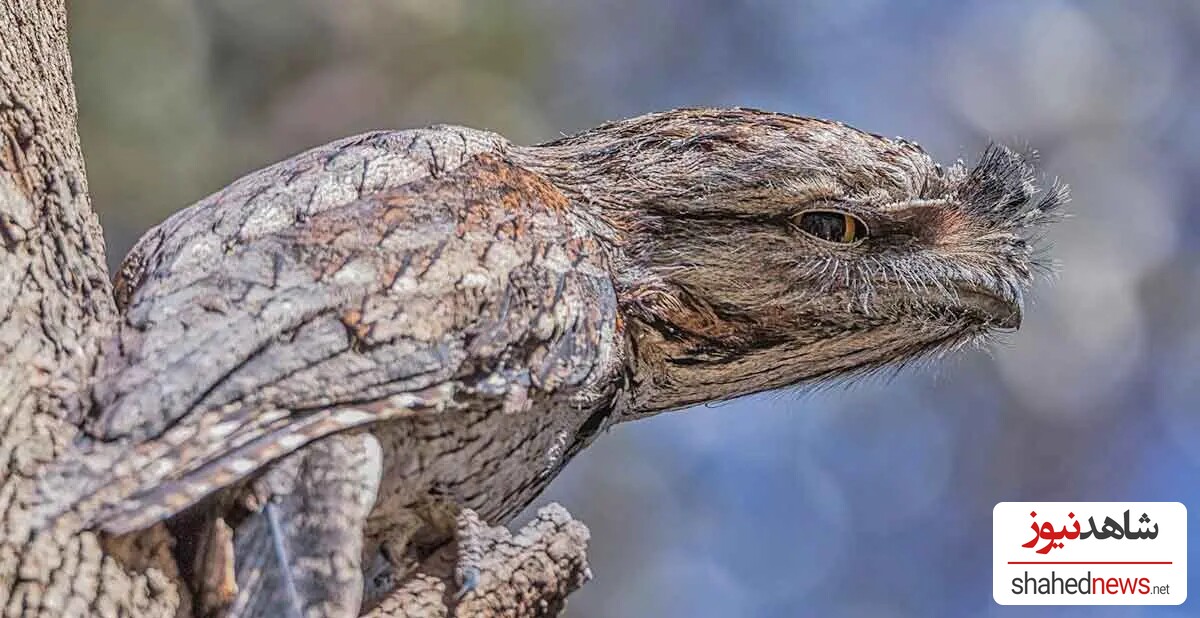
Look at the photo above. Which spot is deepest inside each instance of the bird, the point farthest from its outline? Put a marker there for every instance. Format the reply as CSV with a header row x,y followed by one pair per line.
x,y
371,348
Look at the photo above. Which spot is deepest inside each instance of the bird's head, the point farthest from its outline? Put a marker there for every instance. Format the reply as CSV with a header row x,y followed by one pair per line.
x,y
759,250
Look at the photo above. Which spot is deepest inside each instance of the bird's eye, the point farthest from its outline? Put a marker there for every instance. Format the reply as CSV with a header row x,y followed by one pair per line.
x,y
832,226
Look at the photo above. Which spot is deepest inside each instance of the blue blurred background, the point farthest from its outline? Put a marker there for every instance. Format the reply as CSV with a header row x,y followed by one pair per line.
x,y
873,500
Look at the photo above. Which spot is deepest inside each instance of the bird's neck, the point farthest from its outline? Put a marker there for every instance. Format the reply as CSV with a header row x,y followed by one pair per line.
x,y
660,322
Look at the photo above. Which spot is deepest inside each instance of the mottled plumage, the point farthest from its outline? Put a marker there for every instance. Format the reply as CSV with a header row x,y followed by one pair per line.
x,y
477,311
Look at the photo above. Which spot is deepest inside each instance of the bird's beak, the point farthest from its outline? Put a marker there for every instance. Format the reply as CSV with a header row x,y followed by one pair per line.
x,y
1000,309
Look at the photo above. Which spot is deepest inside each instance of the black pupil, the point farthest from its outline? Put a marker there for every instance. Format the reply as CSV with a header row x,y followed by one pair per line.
x,y
829,226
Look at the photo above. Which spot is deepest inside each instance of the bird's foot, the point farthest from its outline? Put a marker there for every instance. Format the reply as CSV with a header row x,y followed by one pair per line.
x,y
468,533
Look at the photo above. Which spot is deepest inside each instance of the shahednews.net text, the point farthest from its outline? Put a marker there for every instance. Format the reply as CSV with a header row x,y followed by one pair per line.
x,y
1085,585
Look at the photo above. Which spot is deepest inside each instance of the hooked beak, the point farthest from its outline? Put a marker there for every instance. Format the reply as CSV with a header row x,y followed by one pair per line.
x,y
1000,308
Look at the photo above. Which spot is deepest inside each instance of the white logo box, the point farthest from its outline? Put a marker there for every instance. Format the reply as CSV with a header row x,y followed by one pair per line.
x,y
1089,553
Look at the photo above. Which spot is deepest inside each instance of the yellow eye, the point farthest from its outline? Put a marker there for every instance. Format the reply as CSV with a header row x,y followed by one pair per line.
x,y
832,226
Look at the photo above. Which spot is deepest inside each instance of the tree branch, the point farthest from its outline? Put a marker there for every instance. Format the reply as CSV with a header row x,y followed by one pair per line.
x,y
528,575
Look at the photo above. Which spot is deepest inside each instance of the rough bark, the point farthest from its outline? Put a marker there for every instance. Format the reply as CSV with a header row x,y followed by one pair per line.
x,y
56,305
529,574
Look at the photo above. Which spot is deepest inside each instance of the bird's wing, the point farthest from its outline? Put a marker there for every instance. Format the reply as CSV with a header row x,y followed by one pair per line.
x,y
473,284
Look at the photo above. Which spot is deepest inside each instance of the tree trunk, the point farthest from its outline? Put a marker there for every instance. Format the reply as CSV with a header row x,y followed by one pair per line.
x,y
56,304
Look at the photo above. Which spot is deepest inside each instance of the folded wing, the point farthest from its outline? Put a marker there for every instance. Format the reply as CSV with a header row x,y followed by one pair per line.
x,y
468,286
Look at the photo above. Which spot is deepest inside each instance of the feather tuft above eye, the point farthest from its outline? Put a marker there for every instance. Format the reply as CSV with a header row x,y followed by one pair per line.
x,y
1002,188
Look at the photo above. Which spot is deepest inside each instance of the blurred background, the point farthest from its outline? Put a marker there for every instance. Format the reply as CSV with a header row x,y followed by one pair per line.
x,y
868,501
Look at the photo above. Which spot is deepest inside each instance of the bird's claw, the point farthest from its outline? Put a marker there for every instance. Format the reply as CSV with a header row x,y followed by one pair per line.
x,y
469,537
468,580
